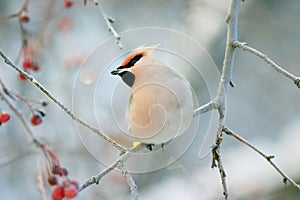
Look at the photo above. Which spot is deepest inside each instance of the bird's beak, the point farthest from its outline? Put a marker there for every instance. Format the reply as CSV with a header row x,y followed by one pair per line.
x,y
119,70
115,72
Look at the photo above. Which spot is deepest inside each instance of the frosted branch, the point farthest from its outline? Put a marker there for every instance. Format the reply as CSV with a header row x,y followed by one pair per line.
x,y
269,158
270,62
109,21
60,104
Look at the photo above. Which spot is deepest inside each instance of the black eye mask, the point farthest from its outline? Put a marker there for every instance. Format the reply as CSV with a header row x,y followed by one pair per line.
x,y
127,76
134,60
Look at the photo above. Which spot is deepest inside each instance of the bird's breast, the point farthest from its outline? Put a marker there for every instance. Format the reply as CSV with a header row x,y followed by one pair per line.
x,y
161,104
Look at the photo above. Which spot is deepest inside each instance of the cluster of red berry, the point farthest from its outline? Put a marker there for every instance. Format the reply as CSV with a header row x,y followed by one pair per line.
x,y
24,18
4,117
67,189
58,175
35,118
63,187
29,64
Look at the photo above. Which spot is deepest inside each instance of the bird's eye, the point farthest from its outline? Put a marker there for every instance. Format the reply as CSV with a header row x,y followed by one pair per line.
x,y
129,64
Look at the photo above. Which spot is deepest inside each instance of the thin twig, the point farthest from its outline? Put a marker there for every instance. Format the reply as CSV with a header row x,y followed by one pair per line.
x,y
97,178
269,158
217,158
61,105
5,90
270,62
46,25
204,108
232,21
18,114
21,118
123,158
129,179
220,100
216,154
39,180
108,20
18,14
24,6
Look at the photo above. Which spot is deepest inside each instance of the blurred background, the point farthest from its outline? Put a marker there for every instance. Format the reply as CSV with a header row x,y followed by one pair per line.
x,y
263,107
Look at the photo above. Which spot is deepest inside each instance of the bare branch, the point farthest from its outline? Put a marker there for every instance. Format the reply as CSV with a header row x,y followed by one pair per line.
x,y
39,180
116,164
24,7
220,100
130,182
269,158
61,105
108,20
18,114
232,20
97,178
5,90
18,14
217,158
204,108
270,62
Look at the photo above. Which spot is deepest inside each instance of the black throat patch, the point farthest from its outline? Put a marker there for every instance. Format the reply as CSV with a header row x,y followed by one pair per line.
x,y
128,78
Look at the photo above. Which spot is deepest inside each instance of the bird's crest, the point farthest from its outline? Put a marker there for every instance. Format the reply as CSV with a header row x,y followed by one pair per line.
x,y
140,51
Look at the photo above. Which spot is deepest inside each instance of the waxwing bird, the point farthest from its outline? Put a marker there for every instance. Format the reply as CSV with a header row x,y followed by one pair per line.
x,y
161,104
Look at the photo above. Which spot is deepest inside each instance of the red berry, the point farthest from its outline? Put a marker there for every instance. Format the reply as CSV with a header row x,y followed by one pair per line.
x,y
27,63
68,3
75,183
58,170
70,182
64,172
70,191
35,119
35,67
52,180
22,77
58,193
24,18
4,117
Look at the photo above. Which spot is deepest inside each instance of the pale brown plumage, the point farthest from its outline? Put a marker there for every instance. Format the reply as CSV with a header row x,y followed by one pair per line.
x,y
161,103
